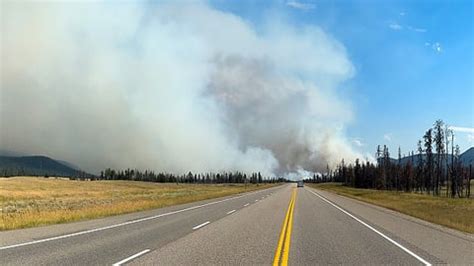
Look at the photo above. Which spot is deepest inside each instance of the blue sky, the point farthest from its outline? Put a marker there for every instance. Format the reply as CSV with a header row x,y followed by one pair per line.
x,y
414,62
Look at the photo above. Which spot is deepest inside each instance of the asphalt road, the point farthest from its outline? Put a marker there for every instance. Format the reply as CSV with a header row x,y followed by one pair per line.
x,y
315,228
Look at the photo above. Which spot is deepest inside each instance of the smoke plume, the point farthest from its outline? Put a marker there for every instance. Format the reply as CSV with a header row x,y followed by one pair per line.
x,y
171,87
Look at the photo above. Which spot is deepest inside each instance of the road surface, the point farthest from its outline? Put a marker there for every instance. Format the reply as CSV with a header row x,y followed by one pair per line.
x,y
281,225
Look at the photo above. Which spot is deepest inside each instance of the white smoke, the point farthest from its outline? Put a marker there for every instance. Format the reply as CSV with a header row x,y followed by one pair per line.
x,y
172,87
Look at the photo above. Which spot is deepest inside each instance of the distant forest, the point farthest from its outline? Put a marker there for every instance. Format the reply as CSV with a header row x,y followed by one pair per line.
x,y
201,178
431,170
45,166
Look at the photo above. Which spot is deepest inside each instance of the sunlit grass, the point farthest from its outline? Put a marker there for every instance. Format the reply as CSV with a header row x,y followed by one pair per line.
x,y
30,201
455,213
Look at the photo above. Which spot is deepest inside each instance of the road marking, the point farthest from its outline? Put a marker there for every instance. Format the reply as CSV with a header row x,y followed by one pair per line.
x,y
283,248
131,257
201,225
286,248
232,211
246,205
256,200
375,230
122,224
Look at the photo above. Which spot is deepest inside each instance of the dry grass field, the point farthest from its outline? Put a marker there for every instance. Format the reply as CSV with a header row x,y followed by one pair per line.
x,y
454,213
31,201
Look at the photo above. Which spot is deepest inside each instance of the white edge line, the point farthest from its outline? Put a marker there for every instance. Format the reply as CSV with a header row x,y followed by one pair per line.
x,y
246,204
131,257
375,230
122,224
201,225
232,211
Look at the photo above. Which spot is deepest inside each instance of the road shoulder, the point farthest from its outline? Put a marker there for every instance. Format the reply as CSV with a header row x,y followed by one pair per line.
x,y
442,245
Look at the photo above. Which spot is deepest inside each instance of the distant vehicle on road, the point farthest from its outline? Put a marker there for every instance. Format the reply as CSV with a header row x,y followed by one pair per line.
x,y
300,184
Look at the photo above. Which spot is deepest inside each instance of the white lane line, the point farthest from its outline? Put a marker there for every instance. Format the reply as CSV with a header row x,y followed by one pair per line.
x,y
246,204
256,200
201,225
232,211
121,224
131,257
375,230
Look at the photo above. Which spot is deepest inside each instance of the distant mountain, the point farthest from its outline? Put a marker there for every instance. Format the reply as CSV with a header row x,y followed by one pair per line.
x,y
68,164
466,158
36,165
414,159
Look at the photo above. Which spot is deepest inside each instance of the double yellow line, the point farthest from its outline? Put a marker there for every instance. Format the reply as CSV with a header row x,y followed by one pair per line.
x,y
283,248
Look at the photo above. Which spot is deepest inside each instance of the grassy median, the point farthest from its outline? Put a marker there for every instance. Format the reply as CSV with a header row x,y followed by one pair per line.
x,y
454,213
31,201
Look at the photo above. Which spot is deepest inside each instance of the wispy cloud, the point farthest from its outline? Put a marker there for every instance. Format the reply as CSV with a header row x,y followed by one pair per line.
x,y
301,5
387,136
420,30
395,26
470,138
462,129
357,142
435,46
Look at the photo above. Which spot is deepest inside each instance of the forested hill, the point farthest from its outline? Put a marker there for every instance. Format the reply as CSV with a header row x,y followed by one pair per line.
x,y
37,166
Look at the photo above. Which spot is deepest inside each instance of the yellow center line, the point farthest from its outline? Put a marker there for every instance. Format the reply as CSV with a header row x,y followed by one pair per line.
x,y
286,247
283,248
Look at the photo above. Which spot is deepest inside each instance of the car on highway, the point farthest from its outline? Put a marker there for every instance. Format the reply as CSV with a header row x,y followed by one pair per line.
x,y
300,184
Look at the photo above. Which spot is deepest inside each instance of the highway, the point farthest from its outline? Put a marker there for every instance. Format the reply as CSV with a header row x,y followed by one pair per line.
x,y
281,225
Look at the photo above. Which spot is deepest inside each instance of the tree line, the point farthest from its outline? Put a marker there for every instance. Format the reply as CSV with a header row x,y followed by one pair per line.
x,y
195,178
434,169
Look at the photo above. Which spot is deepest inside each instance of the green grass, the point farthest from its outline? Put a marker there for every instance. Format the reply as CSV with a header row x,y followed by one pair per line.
x,y
455,213
31,201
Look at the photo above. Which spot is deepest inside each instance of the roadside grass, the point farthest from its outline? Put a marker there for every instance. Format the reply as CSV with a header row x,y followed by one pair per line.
x,y
32,201
455,213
